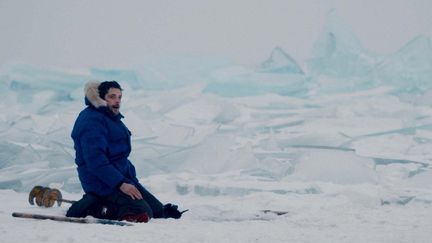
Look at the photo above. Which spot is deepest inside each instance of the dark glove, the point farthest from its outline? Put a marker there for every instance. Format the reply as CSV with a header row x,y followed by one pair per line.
x,y
171,211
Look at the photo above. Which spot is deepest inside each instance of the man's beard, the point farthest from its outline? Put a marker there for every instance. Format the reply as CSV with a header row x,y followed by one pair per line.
x,y
115,109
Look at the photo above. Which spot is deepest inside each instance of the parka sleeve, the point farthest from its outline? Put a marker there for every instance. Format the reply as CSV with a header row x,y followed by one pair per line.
x,y
94,144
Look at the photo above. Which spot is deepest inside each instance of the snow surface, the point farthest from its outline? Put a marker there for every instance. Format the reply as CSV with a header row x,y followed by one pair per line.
x,y
344,146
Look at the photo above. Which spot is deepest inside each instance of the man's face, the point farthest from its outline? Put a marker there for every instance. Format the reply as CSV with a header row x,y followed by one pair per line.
x,y
113,99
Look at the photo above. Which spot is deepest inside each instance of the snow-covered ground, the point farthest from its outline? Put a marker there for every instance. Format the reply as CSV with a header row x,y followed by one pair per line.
x,y
340,214
342,143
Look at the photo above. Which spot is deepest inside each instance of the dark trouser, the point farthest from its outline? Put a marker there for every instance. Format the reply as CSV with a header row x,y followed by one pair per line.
x,y
156,206
116,206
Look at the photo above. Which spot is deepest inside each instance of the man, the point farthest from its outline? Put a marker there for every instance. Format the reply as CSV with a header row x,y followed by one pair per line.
x,y
102,145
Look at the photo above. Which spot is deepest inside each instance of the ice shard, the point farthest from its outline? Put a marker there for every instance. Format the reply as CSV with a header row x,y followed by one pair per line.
x,y
279,74
410,68
280,62
338,52
27,81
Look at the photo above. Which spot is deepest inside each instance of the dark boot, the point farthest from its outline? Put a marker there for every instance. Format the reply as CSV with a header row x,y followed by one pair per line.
x,y
171,211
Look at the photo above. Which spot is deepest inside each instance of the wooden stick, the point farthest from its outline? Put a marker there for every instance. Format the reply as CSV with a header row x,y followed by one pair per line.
x,y
70,219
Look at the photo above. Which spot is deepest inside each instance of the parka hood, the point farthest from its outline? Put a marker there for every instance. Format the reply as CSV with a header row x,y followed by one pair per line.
x,y
92,94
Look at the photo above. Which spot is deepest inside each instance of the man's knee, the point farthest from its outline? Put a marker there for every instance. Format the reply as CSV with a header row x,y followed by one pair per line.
x,y
83,207
127,206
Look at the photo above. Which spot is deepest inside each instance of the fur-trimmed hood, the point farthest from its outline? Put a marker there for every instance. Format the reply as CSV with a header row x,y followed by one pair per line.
x,y
92,94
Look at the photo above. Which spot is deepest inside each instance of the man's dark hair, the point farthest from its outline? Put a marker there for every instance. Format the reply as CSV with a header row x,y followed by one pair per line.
x,y
105,86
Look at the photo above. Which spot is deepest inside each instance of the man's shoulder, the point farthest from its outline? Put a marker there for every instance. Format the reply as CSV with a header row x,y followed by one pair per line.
x,y
89,114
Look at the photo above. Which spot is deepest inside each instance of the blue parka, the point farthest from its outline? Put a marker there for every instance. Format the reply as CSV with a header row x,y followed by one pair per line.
x,y
102,144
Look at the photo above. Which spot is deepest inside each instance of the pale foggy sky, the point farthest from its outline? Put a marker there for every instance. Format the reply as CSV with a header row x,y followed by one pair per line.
x,y
83,33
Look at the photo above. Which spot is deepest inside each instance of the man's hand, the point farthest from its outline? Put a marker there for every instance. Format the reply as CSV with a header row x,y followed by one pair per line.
x,y
131,191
